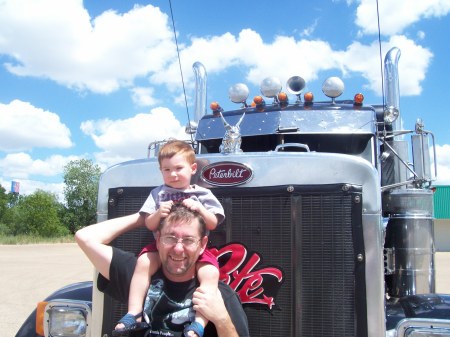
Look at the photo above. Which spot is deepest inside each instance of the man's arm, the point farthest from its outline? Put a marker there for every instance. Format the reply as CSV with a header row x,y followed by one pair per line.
x,y
94,239
212,307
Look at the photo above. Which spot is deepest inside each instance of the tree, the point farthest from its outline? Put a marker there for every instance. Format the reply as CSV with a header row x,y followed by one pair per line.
x,y
3,210
37,214
7,211
81,179
3,202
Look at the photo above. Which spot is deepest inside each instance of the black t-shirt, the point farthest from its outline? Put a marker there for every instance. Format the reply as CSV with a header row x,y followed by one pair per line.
x,y
168,307
173,300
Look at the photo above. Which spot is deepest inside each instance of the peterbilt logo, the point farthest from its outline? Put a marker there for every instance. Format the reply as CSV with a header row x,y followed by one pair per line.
x,y
226,174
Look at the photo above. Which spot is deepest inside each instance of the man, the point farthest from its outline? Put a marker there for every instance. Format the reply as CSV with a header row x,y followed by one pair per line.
x,y
168,307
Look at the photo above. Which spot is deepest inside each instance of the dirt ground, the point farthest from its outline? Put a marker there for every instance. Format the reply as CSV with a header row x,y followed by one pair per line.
x,y
29,273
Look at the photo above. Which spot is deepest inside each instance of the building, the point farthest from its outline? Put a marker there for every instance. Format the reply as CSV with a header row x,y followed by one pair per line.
x,y
441,199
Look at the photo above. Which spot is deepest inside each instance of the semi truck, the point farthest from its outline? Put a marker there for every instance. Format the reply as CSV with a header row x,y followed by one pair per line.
x,y
329,215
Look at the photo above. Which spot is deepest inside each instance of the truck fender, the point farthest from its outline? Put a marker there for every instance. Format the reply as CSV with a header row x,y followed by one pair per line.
x,y
435,306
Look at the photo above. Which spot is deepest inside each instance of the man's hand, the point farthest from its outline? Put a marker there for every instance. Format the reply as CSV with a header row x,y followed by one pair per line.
x,y
211,305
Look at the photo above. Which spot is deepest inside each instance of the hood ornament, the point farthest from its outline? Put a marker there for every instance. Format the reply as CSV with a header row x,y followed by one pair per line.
x,y
231,141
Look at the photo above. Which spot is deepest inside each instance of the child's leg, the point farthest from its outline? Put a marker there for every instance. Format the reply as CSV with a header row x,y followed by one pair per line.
x,y
147,264
208,276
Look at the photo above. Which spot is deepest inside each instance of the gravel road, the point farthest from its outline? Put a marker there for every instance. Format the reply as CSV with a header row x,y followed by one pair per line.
x,y
29,273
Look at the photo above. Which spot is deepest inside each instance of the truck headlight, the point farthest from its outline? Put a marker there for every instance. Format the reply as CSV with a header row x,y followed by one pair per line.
x,y
67,318
423,327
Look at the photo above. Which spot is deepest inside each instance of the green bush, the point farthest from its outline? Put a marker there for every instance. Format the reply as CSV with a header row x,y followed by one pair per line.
x,y
37,214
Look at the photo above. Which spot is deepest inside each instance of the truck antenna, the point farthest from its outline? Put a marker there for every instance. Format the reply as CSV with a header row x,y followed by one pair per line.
x,y
179,64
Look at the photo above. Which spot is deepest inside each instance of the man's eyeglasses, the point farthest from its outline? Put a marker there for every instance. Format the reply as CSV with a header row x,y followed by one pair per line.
x,y
187,242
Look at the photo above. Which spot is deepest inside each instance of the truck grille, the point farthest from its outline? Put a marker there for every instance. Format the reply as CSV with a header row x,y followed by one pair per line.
x,y
311,233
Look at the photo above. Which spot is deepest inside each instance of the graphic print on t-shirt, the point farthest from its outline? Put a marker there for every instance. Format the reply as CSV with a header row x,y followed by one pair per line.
x,y
175,196
166,316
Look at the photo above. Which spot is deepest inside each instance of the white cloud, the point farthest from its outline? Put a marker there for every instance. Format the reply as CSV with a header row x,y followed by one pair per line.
x,y
94,53
413,63
143,97
315,56
308,31
128,139
443,164
396,15
21,165
24,127
58,40
245,51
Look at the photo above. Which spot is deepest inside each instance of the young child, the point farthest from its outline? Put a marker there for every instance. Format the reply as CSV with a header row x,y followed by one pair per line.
x,y
177,164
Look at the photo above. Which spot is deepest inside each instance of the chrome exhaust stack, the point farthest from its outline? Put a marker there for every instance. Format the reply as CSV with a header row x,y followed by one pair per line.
x,y
392,90
200,90
407,201
199,103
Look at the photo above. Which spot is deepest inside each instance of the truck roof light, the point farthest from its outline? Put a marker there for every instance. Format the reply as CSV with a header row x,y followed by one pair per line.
x,y
283,99
259,103
333,87
238,93
258,100
309,97
391,113
216,108
270,87
358,99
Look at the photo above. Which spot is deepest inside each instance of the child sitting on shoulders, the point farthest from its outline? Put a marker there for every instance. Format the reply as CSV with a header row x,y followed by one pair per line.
x,y
177,164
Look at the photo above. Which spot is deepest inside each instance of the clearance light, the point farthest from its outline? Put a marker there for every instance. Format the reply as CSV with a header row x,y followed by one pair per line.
x,y
238,93
283,99
390,114
358,99
270,87
333,87
308,97
216,108
259,103
259,100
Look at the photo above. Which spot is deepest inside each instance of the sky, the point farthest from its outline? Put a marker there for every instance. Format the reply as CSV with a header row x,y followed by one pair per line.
x,y
101,79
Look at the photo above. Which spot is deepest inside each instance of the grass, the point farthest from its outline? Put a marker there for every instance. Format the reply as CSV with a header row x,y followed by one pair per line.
x,y
29,239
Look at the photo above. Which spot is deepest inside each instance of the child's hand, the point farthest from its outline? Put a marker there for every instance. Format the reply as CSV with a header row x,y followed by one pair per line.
x,y
164,208
193,205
